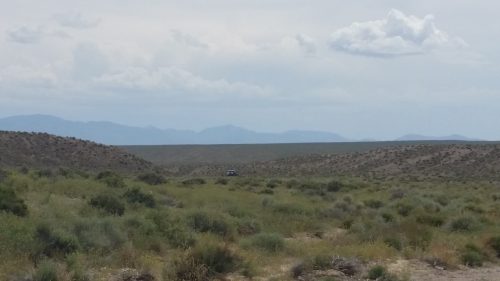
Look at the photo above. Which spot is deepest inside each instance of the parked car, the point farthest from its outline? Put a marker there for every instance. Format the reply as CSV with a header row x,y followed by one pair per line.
x,y
231,173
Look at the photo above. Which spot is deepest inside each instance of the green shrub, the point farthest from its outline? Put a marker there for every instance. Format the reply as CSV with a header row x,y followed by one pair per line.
x,y
394,243
348,266
443,200
202,221
104,174
101,234
311,185
217,258
248,270
292,184
398,194
44,173
74,266
267,202
334,186
135,195
347,223
9,202
388,217
474,209
111,179
418,236
248,227
300,269
327,278
270,242
52,243
222,181
494,243
472,256
472,259
404,209
321,262
267,191
80,275
24,170
174,229
431,220
108,203
249,181
180,237
205,261
348,199
3,175
288,209
340,210
47,271
374,204
152,179
194,181
273,183
237,211
463,224
72,174
377,272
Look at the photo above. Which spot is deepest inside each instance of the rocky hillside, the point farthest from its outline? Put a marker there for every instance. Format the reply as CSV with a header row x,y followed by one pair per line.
x,y
450,161
39,150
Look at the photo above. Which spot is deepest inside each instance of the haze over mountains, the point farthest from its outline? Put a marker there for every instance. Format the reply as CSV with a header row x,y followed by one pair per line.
x,y
117,134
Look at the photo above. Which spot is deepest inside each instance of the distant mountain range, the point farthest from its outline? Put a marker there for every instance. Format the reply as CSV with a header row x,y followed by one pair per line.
x,y
117,134
414,137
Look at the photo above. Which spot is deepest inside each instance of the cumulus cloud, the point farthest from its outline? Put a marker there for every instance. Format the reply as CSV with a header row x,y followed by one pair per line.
x,y
28,77
300,43
174,81
26,34
33,34
396,35
188,39
88,61
76,20
306,43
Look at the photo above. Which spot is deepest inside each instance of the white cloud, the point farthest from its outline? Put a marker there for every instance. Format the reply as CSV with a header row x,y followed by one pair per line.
x,y
395,35
172,80
88,61
306,43
26,34
293,45
34,34
28,77
188,39
76,20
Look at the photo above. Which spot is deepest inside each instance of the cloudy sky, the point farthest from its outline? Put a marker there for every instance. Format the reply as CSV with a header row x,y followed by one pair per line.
x,y
363,68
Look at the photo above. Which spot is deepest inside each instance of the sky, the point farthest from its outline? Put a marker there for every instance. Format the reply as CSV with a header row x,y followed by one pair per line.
x,y
363,68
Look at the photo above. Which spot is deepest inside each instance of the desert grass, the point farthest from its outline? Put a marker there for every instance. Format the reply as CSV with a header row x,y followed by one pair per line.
x,y
248,227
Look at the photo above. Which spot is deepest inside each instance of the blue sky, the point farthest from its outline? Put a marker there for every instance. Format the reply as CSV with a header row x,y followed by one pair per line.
x,y
363,69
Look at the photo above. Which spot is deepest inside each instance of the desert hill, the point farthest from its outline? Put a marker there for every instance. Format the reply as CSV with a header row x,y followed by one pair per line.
x,y
40,150
451,161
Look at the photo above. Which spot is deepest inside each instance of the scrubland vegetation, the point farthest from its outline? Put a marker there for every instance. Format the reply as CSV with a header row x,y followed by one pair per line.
x,y
64,225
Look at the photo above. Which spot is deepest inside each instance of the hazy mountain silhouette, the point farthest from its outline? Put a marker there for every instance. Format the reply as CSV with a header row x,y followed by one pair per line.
x,y
117,134
413,137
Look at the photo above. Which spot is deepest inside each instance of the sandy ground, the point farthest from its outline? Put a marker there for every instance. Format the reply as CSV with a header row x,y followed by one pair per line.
x,y
422,272
415,270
